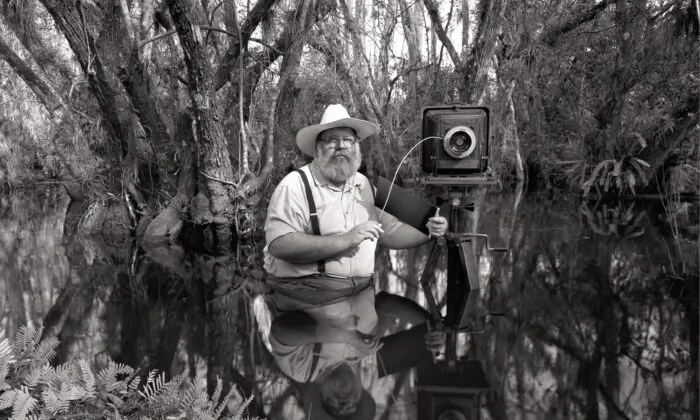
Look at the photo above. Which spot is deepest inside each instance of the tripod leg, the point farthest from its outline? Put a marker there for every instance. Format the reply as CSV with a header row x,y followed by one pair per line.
x,y
428,276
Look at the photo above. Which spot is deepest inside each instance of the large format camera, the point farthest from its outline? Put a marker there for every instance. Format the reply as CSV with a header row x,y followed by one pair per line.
x,y
456,149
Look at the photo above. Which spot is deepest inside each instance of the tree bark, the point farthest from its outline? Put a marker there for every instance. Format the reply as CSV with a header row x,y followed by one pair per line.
x,y
36,83
212,156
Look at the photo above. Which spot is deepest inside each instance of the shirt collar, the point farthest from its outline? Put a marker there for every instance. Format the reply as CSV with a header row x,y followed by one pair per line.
x,y
322,181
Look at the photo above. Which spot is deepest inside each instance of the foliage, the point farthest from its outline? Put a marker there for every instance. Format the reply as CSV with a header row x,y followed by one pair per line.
x,y
620,221
31,388
620,175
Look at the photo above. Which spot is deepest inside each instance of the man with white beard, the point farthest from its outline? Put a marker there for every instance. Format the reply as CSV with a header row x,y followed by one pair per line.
x,y
322,230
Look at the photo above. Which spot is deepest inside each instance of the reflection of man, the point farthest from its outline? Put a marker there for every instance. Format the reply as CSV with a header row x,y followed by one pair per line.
x,y
322,230
324,352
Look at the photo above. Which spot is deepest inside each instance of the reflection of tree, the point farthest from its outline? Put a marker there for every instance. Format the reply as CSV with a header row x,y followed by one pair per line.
x,y
591,329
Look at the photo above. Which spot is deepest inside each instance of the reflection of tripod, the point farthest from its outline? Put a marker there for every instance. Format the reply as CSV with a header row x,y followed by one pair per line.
x,y
462,277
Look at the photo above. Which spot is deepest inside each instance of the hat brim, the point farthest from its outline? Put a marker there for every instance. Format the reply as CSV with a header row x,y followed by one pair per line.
x,y
366,408
306,137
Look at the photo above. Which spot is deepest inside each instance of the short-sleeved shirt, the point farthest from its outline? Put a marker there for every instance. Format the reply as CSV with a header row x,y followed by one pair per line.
x,y
339,210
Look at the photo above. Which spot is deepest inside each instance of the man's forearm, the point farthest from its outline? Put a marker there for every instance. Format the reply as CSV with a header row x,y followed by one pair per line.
x,y
405,236
300,248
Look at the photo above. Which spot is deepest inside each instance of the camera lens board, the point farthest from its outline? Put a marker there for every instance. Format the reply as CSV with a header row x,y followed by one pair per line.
x,y
459,142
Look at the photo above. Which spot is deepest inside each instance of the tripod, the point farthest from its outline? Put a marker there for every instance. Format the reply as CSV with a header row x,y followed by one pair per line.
x,y
462,276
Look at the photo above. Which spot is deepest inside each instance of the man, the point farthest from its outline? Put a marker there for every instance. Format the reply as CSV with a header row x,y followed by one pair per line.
x,y
322,230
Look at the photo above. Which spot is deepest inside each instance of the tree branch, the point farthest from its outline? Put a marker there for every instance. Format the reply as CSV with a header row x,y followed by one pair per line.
x,y
126,16
36,83
210,28
550,37
259,12
440,31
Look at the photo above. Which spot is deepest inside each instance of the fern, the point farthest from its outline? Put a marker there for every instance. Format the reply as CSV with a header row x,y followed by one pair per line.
x,y
6,358
72,388
153,385
197,404
23,403
44,352
7,399
108,378
88,378
36,375
53,401
242,408
26,342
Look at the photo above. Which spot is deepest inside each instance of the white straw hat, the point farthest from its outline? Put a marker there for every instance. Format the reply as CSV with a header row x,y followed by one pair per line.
x,y
335,116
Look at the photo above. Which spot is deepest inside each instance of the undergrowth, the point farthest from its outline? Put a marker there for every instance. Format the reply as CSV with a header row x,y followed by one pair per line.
x,y
31,388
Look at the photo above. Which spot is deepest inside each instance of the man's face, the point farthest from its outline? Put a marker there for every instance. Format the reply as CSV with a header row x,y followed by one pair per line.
x,y
338,154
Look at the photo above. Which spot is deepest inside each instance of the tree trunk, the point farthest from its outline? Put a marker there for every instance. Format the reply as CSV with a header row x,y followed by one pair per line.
x,y
212,158
166,226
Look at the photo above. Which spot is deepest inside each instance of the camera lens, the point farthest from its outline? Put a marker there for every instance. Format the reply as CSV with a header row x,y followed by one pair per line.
x,y
451,414
459,142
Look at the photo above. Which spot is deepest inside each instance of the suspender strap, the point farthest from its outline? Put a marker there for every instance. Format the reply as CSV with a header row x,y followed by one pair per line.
x,y
315,227
316,354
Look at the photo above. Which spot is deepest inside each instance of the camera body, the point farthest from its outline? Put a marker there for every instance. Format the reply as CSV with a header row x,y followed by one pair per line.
x,y
459,144
451,391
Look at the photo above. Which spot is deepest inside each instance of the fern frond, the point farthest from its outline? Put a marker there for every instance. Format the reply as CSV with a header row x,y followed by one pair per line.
x,y
88,378
153,385
107,375
189,395
7,399
171,393
133,385
224,403
242,408
63,373
23,404
107,378
6,359
6,351
22,339
53,402
70,392
45,351
217,393
122,369
37,375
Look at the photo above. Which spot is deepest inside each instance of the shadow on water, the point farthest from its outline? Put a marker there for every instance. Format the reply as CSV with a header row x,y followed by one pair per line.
x,y
600,305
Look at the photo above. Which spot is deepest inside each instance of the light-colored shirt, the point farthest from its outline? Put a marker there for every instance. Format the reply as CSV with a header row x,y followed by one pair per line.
x,y
339,210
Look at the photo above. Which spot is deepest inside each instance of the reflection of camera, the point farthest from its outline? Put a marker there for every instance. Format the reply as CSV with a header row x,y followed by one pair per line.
x,y
459,147
450,391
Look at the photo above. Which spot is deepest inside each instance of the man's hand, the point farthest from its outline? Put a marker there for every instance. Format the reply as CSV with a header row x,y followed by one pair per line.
x,y
437,225
435,341
366,344
368,230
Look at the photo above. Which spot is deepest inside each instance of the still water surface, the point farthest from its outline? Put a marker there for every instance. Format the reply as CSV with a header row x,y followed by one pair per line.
x,y
600,306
